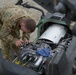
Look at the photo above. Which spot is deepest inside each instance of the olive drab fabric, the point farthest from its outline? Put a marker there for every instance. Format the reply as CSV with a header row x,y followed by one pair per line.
x,y
10,17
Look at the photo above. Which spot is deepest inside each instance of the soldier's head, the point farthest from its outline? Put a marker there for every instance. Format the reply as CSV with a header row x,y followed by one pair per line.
x,y
27,25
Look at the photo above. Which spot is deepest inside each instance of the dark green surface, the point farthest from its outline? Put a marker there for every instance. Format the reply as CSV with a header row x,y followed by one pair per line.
x,y
44,21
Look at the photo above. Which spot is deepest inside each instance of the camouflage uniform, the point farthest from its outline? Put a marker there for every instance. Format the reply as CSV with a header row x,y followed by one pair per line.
x,y
10,17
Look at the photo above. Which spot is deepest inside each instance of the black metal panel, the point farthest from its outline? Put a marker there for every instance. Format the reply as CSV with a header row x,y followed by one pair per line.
x,y
57,65
71,54
7,68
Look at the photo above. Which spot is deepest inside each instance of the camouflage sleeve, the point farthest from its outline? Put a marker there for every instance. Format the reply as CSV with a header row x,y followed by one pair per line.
x,y
26,36
5,34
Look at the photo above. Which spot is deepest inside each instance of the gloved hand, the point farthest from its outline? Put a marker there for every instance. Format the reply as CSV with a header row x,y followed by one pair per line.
x,y
26,41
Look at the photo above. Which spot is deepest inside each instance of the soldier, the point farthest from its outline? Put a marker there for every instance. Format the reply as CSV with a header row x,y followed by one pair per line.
x,y
13,19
